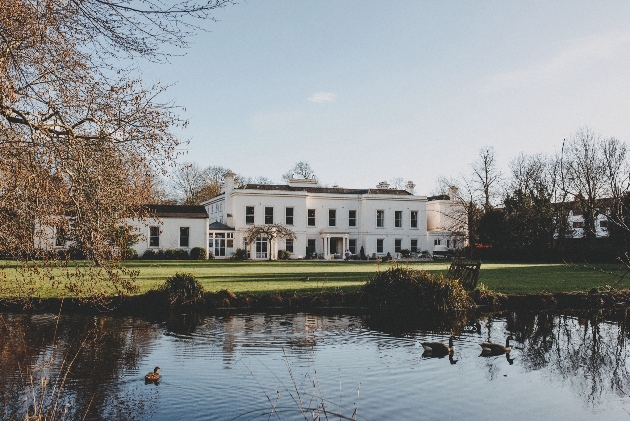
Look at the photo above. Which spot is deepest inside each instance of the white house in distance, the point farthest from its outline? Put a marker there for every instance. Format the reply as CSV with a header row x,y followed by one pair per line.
x,y
173,227
326,221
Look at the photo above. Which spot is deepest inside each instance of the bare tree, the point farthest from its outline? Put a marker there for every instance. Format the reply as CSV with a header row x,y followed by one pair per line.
x,y
80,135
486,175
270,232
584,175
301,170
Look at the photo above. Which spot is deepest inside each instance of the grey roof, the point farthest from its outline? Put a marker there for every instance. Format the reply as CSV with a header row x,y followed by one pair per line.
x,y
439,197
177,211
333,190
218,226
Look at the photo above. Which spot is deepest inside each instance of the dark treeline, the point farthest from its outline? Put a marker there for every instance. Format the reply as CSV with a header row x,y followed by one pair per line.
x,y
569,206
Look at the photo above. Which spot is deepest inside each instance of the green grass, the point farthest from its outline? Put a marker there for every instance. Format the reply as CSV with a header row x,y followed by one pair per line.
x,y
262,277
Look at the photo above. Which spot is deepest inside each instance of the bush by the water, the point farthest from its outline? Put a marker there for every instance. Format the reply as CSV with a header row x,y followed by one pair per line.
x,y
198,253
183,289
404,288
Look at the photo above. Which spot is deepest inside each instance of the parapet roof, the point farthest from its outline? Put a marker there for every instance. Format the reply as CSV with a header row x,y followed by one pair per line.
x,y
332,190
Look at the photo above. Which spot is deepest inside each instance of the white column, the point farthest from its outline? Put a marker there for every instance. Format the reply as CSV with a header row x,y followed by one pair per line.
x,y
328,247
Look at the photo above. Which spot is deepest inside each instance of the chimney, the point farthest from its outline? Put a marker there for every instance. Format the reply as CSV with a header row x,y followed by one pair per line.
x,y
382,185
410,187
452,193
228,184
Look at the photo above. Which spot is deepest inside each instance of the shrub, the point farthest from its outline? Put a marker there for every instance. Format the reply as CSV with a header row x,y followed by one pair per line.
x,y
405,252
149,254
183,289
404,288
210,255
176,254
129,254
198,253
239,254
284,255
362,254
387,257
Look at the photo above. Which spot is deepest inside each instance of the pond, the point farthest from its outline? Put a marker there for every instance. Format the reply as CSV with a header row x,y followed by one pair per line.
x,y
247,366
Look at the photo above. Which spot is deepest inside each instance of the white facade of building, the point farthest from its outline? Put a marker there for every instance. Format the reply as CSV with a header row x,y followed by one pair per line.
x,y
326,221
174,227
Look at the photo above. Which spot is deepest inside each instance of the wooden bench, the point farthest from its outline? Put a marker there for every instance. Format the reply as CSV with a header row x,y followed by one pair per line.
x,y
466,272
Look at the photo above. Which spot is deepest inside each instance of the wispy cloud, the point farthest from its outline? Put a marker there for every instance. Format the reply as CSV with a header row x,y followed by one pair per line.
x,y
580,57
322,97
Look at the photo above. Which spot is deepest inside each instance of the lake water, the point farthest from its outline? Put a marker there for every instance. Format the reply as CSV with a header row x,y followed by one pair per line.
x,y
243,367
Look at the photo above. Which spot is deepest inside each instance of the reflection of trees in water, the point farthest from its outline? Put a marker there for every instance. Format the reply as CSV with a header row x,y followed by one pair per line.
x,y
587,352
100,349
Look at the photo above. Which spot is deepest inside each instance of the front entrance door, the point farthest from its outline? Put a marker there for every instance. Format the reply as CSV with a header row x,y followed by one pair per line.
x,y
333,246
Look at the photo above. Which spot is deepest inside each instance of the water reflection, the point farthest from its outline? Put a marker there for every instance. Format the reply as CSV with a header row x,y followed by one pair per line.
x,y
105,358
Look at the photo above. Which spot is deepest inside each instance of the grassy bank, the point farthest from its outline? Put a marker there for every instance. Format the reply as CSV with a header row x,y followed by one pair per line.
x,y
265,277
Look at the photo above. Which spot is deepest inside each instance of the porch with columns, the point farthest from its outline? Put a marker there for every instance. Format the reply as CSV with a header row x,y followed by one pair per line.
x,y
335,238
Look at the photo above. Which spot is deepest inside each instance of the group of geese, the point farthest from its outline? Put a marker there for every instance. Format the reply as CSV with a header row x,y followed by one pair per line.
x,y
487,348
432,348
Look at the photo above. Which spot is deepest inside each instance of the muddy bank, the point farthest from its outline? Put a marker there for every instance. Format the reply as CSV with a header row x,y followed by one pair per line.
x,y
156,302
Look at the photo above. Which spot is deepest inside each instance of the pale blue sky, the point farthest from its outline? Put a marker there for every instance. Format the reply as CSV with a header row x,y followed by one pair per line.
x,y
367,91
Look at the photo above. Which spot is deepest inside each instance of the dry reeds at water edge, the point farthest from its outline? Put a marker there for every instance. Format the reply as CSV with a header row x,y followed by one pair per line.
x,y
37,393
403,288
307,403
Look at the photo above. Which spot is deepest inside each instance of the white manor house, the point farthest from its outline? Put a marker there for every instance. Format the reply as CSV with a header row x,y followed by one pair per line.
x,y
329,221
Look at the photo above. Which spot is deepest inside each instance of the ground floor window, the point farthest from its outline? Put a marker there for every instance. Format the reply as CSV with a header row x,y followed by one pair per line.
x,y
289,245
352,246
436,242
261,248
184,236
310,247
397,245
379,245
221,244
60,238
154,236
414,246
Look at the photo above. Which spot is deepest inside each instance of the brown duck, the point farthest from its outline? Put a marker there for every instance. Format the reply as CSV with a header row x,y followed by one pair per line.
x,y
153,376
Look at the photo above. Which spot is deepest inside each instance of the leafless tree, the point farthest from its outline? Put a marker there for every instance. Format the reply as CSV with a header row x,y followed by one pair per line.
x,y
486,175
301,169
270,232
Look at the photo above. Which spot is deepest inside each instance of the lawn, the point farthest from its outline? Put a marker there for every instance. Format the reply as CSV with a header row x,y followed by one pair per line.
x,y
262,277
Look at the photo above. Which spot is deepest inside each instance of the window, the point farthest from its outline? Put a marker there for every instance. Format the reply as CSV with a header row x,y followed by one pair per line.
x,y
448,243
249,215
379,245
398,219
184,235
352,246
380,218
60,237
414,219
454,244
268,215
311,217
414,246
352,218
288,216
332,217
289,245
261,248
578,224
219,245
436,242
397,245
154,236
310,247
603,223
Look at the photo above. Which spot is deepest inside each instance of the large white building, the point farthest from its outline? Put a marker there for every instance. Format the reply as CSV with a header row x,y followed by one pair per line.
x,y
327,221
